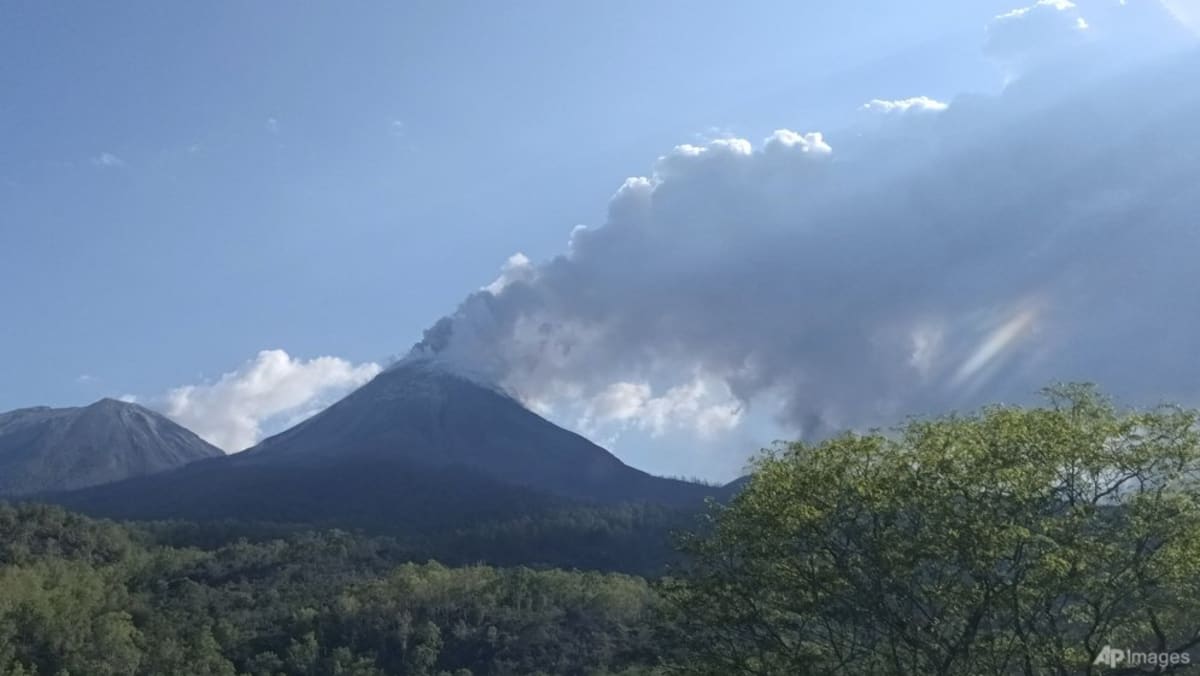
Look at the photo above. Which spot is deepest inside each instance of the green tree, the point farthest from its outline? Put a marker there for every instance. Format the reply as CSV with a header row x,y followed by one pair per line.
x,y
61,618
1013,541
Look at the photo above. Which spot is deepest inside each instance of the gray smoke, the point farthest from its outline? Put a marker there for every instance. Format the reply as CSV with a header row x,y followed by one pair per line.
x,y
927,257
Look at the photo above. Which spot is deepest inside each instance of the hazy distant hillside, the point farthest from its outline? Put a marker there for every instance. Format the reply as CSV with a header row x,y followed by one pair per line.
x,y
48,449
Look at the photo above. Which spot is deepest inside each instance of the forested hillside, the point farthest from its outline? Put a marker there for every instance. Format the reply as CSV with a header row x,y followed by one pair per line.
x,y
92,598
452,515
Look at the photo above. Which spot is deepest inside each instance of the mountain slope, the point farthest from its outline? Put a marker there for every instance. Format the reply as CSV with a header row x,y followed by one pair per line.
x,y
451,514
49,449
379,496
423,414
457,470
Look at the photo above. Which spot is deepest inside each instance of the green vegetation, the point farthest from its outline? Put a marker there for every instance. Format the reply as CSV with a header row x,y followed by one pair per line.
x,y
1015,541
89,598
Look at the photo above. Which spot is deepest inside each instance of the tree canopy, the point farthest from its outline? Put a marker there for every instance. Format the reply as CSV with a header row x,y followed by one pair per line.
x,y
80,597
1013,541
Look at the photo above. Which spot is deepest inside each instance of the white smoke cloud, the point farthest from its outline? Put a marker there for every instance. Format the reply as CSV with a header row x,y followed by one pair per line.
x,y
1078,39
932,262
1043,31
691,406
517,268
231,412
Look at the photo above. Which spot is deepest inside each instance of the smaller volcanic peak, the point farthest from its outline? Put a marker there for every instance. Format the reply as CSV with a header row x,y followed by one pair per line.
x,y
422,412
53,449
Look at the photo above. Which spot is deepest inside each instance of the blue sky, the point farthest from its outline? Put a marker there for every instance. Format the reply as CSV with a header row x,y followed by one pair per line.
x,y
183,186
339,231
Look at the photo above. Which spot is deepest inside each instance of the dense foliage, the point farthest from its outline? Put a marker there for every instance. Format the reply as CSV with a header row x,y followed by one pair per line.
x,y
1016,541
87,598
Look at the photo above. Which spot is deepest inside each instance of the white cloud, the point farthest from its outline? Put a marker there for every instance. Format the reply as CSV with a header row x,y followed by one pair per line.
x,y
1057,5
812,142
107,161
916,104
231,412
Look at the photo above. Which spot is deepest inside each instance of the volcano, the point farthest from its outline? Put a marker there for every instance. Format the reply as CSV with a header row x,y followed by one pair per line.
x,y
424,414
